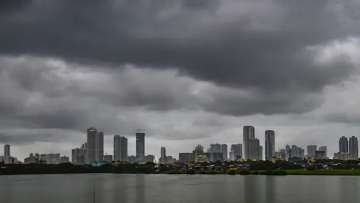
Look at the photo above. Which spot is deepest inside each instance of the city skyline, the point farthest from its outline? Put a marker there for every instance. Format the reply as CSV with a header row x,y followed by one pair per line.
x,y
94,152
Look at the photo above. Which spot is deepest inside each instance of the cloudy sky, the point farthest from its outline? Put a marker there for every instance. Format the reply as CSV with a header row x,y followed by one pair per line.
x,y
187,71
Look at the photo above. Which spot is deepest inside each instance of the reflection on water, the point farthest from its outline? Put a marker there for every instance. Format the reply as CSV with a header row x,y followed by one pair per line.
x,y
111,188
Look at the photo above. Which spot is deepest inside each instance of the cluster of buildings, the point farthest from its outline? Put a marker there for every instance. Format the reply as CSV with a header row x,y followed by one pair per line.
x,y
348,149
46,159
92,151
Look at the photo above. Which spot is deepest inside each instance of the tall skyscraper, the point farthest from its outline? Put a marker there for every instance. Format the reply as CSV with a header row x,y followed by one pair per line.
x,y
269,144
120,148
248,135
353,148
311,150
163,153
95,145
99,147
255,150
91,144
236,152
252,148
163,158
343,145
224,151
7,155
140,147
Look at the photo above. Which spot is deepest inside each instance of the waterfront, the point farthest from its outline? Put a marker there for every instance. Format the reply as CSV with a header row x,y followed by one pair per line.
x,y
108,188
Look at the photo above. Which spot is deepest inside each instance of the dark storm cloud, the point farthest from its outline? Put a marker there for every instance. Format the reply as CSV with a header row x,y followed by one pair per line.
x,y
8,6
220,56
247,44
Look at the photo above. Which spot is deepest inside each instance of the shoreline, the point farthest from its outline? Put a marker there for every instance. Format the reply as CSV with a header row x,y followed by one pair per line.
x,y
295,172
254,168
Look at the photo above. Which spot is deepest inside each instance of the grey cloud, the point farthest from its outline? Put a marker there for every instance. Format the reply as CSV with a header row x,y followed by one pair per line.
x,y
258,45
20,136
50,93
7,6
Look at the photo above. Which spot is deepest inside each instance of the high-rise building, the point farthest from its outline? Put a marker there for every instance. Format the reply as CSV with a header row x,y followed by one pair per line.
x,y
343,145
248,134
295,152
311,149
236,152
224,151
353,148
215,153
252,148
95,145
163,152
255,150
120,148
100,147
78,155
163,157
269,144
140,147
7,155
218,152
91,144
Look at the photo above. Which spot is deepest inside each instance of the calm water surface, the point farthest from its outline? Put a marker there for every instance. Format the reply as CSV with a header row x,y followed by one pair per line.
x,y
109,188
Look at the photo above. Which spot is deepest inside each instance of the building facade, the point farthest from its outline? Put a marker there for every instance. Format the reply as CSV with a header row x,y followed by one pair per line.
x,y
236,152
343,145
269,145
78,155
95,146
120,148
311,150
140,147
248,135
353,148
7,155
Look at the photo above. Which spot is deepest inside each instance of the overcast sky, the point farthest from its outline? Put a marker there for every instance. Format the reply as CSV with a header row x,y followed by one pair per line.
x,y
188,71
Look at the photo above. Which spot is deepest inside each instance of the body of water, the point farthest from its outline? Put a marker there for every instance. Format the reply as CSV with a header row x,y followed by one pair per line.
x,y
121,188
